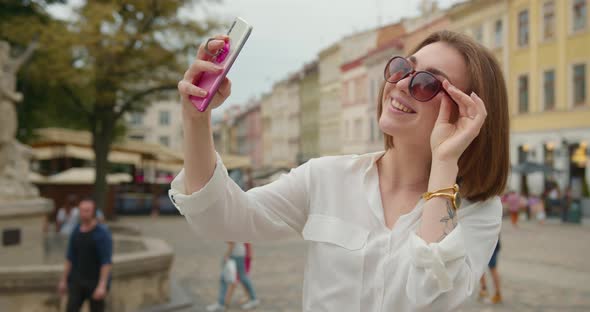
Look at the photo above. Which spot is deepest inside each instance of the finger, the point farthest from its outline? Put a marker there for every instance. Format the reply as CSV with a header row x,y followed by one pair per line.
x,y
463,100
199,66
225,88
444,113
479,107
211,46
460,107
186,88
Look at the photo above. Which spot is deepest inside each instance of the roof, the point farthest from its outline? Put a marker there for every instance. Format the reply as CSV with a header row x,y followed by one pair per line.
x,y
84,175
59,142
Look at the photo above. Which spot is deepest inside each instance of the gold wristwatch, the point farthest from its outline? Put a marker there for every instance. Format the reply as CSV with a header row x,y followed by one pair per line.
x,y
455,197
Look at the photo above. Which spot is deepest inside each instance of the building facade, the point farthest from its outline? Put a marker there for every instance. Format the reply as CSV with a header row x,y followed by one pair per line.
x,y
160,123
548,88
329,110
309,93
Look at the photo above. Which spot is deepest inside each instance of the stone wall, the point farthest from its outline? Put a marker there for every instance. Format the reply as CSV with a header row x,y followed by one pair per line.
x,y
140,279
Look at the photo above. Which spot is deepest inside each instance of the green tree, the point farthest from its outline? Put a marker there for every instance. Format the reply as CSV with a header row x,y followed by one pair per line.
x,y
112,58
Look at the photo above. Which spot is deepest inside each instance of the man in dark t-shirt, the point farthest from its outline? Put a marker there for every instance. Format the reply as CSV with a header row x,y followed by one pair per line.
x,y
88,262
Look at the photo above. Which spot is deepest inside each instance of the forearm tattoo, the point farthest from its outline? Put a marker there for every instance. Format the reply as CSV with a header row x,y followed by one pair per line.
x,y
449,221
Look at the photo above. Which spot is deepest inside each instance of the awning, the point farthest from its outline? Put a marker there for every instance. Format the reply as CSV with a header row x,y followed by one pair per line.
x,y
71,151
236,161
82,176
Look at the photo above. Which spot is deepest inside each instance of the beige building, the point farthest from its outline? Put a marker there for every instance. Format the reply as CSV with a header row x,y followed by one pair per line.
x,y
279,125
330,78
309,93
329,110
293,110
161,123
355,105
375,63
266,110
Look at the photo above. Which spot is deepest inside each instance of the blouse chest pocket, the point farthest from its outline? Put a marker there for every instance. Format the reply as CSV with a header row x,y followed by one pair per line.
x,y
334,264
333,230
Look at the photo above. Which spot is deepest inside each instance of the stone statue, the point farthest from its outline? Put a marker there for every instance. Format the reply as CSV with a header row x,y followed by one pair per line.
x,y
14,157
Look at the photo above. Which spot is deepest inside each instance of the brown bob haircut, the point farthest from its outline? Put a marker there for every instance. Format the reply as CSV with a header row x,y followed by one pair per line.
x,y
484,165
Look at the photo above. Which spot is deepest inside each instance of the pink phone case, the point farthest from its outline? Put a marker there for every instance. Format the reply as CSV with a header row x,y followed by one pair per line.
x,y
210,81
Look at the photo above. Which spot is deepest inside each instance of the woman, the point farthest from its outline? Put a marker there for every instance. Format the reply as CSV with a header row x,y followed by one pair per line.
x,y
238,252
382,229
514,202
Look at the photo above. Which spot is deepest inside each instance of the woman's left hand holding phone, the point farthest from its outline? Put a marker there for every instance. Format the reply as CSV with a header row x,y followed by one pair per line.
x,y
203,64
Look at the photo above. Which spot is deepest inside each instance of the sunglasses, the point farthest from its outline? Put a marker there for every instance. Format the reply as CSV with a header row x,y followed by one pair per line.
x,y
423,86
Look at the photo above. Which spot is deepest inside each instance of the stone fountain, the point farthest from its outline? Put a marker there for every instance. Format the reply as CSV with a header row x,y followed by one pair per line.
x,y
29,269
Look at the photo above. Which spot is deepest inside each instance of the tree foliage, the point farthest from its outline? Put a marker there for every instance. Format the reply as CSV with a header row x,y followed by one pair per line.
x,y
111,58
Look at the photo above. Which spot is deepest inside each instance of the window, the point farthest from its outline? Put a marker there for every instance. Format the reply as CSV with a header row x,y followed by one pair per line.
x,y
346,130
523,151
350,91
136,118
523,94
523,28
478,34
579,84
498,34
579,14
137,137
549,89
548,20
164,140
373,91
164,118
358,128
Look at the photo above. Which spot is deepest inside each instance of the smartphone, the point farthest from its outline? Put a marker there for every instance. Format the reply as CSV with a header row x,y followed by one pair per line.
x,y
238,34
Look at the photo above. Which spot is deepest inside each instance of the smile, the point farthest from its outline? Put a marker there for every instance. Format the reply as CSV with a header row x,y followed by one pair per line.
x,y
400,107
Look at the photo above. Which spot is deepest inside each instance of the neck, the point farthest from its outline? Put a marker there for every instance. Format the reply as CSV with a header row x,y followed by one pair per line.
x,y
405,167
88,223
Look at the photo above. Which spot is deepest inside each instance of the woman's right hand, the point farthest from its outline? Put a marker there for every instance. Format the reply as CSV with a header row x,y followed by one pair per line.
x,y
194,72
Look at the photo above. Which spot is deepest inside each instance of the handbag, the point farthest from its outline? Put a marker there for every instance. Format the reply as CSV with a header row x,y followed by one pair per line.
x,y
230,271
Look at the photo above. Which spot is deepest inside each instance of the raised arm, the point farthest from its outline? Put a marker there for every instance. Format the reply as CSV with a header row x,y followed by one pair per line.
x,y
23,58
199,151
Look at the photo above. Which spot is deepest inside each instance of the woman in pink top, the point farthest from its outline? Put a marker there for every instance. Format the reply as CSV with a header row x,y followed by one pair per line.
x,y
513,200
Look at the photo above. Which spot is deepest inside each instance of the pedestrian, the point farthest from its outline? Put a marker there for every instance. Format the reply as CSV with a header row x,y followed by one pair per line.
x,y
237,252
385,230
87,270
233,286
537,207
554,196
493,266
68,216
514,202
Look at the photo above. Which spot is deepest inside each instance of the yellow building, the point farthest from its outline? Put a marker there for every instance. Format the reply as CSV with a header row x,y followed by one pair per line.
x,y
548,85
485,21
543,47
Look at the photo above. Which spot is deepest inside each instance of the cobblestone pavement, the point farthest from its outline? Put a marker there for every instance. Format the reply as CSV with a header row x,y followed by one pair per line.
x,y
543,267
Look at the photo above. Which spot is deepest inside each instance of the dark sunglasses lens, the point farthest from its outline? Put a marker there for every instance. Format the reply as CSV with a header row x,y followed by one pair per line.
x,y
424,86
397,68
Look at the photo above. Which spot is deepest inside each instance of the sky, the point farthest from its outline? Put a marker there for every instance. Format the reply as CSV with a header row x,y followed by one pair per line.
x,y
290,33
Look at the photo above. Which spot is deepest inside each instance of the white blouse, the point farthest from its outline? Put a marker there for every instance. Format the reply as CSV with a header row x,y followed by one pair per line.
x,y
354,262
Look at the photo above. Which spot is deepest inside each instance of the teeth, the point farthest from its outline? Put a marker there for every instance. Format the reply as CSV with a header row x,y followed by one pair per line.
x,y
399,106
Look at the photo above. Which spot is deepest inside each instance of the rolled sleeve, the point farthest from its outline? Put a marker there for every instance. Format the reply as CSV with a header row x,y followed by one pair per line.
x,y
435,256
205,197
444,274
221,210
